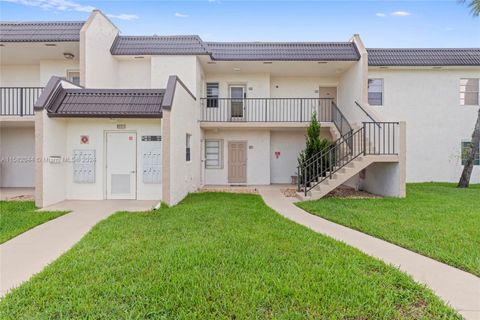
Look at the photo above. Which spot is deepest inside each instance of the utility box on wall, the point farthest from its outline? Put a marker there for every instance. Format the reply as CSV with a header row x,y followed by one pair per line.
x,y
84,166
151,150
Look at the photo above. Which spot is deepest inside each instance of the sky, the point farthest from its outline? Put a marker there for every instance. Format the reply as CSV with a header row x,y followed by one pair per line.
x,y
387,23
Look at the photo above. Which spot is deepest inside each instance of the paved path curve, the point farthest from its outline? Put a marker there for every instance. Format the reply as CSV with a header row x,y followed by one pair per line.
x,y
458,288
28,253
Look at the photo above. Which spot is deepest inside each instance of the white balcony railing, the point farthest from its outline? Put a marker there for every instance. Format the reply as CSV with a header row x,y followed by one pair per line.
x,y
18,101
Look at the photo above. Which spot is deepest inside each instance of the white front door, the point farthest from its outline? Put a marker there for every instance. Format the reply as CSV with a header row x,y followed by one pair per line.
x,y
121,165
237,96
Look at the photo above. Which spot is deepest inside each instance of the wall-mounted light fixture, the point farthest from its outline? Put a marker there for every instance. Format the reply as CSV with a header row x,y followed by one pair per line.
x,y
50,44
236,69
139,57
68,55
322,62
267,62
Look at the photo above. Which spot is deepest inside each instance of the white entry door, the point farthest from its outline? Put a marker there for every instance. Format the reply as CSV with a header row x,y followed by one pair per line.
x,y
121,165
237,95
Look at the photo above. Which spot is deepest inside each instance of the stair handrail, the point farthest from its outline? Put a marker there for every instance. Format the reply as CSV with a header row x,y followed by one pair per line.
x,y
338,155
343,120
367,113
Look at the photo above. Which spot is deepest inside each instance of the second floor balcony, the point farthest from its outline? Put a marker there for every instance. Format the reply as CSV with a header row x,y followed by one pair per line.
x,y
272,110
18,101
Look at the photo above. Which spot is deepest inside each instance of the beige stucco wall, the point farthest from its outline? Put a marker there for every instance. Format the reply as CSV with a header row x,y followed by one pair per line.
x,y
62,136
183,176
258,155
257,84
49,68
53,143
289,143
299,87
428,100
98,68
36,75
19,75
185,67
96,130
134,73
17,153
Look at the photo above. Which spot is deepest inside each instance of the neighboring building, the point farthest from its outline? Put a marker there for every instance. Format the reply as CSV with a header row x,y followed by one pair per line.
x,y
156,117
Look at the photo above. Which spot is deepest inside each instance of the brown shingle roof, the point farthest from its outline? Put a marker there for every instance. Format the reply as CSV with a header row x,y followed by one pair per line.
x,y
253,51
287,51
158,45
424,57
106,103
40,31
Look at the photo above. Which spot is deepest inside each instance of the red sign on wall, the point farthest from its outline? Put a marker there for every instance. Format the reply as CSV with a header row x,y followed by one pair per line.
x,y
84,139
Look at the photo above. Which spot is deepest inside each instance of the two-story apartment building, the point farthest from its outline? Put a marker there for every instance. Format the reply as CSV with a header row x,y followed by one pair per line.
x,y
156,117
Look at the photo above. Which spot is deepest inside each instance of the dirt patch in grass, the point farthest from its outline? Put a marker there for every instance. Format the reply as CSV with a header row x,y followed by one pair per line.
x,y
349,192
21,198
289,193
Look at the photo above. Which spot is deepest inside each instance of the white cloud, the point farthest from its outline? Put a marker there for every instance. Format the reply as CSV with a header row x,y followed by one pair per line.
x,y
181,15
123,16
58,5
380,14
67,5
400,14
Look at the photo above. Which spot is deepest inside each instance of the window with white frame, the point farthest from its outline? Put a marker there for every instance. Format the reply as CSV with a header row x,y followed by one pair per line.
x,y
213,154
212,94
375,92
466,147
469,92
188,147
73,76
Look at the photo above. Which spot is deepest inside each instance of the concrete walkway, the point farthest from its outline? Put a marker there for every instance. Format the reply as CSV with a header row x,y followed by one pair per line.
x,y
458,288
28,253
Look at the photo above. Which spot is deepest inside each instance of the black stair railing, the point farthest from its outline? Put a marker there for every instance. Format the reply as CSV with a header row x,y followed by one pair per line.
x,y
373,138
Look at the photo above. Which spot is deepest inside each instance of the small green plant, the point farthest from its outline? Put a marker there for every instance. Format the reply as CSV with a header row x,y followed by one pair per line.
x,y
314,144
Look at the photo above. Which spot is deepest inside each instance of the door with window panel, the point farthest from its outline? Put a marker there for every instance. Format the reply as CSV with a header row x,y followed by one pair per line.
x,y
237,103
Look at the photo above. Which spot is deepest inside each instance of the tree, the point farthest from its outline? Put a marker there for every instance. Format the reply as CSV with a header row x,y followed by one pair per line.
x,y
313,145
474,6
470,155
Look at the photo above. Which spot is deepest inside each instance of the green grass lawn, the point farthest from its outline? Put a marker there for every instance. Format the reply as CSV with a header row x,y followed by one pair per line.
x,y
435,219
16,217
217,256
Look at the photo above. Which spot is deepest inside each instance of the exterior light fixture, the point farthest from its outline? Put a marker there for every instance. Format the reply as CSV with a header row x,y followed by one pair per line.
x,y
139,57
322,62
50,44
236,69
68,55
211,62
267,62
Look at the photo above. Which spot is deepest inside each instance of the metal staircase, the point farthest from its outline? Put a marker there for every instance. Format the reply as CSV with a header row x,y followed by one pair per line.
x,y
347,156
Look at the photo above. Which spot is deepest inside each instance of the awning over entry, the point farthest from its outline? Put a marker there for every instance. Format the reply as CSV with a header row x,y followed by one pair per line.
x,y
67,100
